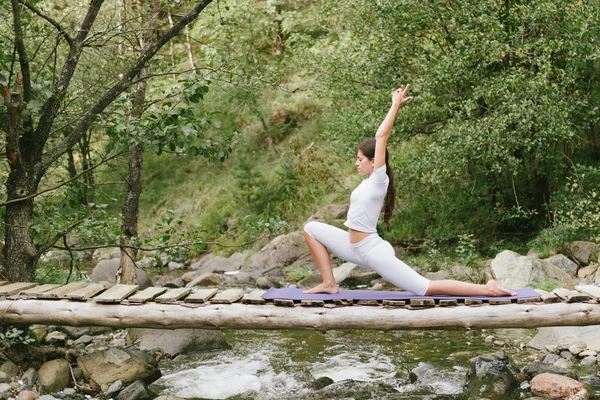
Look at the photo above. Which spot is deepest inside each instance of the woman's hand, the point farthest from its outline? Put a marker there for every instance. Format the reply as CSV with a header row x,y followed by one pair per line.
x,y
399,97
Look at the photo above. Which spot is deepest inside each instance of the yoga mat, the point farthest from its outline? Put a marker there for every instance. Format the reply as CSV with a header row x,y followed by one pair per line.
x,y
296,294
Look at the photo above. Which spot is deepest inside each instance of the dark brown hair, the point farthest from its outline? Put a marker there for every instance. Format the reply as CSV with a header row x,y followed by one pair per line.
x,y
368,149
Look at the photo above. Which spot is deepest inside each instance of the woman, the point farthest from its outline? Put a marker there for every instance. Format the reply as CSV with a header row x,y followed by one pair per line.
x,y
361,244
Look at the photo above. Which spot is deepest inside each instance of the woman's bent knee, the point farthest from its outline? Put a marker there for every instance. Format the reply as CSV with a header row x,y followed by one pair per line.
x,y
309,228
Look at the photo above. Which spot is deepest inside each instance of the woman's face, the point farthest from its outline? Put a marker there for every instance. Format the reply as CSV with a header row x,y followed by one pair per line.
x,y
363,164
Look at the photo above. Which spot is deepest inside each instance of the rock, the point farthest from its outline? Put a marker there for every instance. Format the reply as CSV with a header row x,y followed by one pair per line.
x,y
84,340
174,266
178,341
588,361
564,263
29,378
105,367
282,251
356,275
515,271
208,279
174,283
56,338
135,391
54,375
568,341
459,271
552,335
310,281
322,382
584,252
343,271
39,332
4,388
4,378
439,381
27,395
74,332
566,355
550,359
490,339
330,212
490,376
169,397
562,363
106,270
113,389
551,386
10,369
265,282
438,275
588,272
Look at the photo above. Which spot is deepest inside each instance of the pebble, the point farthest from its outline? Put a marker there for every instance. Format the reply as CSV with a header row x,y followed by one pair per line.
x,y
563,363
589,360
490,339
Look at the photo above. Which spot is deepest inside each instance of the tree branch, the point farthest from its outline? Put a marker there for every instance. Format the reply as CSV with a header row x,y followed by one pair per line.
x,y
20,45
45,16
53,154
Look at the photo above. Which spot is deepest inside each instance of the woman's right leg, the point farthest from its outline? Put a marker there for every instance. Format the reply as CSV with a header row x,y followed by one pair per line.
x,y
320,238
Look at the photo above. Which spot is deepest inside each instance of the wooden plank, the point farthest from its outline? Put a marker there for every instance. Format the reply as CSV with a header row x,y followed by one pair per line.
x,y
173,295
590,290
496,302
448,302
228,296
548,297
202,296
394,303
283,302
14,288
422,302
527,300
254,297
147,294
473,302
312,303
40,289
61,292
116,293
571,296
343,302
86,293
368,303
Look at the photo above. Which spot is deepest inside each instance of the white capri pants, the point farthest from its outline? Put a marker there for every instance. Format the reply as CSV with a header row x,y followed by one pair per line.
x,y
372,252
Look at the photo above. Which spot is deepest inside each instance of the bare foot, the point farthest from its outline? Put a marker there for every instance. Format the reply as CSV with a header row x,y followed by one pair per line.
x,y
497,290
323,288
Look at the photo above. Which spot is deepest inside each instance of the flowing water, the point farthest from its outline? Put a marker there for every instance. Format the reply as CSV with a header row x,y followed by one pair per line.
x,y
280,364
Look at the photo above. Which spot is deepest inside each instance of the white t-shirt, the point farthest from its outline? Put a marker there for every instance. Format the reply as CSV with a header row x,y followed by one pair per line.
x,y
366,202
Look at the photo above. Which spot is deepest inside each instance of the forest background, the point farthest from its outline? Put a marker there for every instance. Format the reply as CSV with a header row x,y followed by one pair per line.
x,y
248,116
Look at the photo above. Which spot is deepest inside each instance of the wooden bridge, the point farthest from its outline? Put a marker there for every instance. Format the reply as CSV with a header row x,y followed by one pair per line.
x,y
121,306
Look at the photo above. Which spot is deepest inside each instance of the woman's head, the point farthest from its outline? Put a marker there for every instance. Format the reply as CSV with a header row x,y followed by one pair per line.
x,y
365,161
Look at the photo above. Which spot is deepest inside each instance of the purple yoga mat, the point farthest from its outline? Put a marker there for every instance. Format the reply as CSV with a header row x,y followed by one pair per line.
x,y
296,294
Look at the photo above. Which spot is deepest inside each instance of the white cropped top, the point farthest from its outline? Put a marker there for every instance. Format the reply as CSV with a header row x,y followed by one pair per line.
x,y
366,202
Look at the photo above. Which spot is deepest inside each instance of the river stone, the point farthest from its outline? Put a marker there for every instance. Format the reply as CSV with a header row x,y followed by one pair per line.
x,y
39,332
178,341
135,391
564,263
75,332
5,388
550,359
207,279
515,271
588,361
27,395
105,271
29,378
10,369
490,376
4,378
552,386
113,389
105,367
588,273
264,282
281,252
54,375
563,363
553,335
584,252
565,342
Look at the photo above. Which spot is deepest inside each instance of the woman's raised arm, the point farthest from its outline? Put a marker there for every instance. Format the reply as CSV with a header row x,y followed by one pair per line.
x,y
399,99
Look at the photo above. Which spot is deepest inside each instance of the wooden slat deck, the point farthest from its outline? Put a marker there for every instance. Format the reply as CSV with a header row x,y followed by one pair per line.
x,y
88,304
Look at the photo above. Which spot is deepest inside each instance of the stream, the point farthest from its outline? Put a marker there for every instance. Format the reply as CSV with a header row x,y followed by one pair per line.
x,y
282,364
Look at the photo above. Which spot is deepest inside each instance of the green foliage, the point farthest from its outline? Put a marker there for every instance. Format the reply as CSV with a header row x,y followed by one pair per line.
x,y
11,337
295,273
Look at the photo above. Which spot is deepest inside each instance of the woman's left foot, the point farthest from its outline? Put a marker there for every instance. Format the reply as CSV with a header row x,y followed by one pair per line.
x,y
496,290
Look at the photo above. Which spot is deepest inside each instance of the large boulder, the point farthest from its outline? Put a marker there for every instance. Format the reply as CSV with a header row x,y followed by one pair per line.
x,y
106,270
558,387
552,335
54,375
106,367
178,341
281,252
491,376
515,271
584,252
564,263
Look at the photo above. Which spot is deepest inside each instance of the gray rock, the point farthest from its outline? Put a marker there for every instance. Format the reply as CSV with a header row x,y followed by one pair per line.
x,y
178,341
587,361
564,263
207,279
584,252
105,367
310,281
265,282
74,332
438,275
10,369
330,212
83,340
439,381
29,378
566,355
174,283
106,270
4,378
56,338
562,363
491,376
459,271
553,335
568,341
174,266
588,273
5,388
54,375
282,251
515,271
135,391
113,389
550,359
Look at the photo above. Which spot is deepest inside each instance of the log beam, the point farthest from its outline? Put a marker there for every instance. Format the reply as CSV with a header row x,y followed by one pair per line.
x,y
269,317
